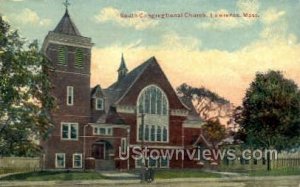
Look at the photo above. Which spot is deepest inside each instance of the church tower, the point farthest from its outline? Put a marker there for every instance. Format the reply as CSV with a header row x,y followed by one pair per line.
x,y
70,55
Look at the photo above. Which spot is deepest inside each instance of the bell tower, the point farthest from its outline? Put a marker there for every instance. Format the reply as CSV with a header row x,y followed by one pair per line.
x,y
69,53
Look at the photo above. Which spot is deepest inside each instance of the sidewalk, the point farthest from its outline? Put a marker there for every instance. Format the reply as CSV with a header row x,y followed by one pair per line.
x,y
225,174
136,181
119,175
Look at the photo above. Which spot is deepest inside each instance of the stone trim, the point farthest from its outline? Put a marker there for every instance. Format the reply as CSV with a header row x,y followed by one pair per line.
x,y
123,126
126,109
75,73
179,112
64,39
195,126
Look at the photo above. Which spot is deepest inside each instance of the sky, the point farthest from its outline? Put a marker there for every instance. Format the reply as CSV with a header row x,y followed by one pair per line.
x,y
221,54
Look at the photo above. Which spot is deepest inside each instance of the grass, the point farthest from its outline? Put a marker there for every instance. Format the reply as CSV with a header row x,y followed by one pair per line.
x,y
159,174
10,170
54,175
78,175
169,174
276,172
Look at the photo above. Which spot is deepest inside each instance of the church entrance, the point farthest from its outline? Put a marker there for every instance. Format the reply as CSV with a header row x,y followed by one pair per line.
x,y
102,151
98,150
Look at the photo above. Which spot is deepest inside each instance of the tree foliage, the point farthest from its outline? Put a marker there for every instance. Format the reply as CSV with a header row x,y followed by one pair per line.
x,y
25,99
270,115
214,132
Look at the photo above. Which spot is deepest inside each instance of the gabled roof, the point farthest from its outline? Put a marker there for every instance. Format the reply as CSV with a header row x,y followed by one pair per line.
x,y
66,26
123,92
119,88
97,91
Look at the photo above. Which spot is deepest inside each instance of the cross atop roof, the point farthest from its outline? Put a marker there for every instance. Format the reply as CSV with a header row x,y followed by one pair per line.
x,y
66,3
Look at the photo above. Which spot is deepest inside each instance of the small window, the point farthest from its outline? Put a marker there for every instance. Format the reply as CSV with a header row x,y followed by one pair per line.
x,y
62,56
69,131
138,162
70,95
123,145
79,58
74,129
77,160
164,162
152,162
109,131
65,131
60,160
99,104
103,131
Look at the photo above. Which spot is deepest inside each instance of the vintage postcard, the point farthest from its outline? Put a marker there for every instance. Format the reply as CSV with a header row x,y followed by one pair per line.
x,y
169,92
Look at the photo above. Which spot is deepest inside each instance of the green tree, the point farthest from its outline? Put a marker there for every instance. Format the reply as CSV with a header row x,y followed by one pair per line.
x,y
270,115
214,132
25,99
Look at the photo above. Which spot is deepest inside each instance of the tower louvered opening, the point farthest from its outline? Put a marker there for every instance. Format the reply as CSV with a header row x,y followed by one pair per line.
x,y
62,55
79,58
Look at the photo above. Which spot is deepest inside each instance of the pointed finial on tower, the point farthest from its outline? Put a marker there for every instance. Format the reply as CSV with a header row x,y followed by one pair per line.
x,y
122,64
122,69
67,4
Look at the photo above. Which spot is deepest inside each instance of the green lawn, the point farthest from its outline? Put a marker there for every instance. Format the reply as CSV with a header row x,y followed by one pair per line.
x,y
54,175
77,175
8,170
159,174
168,174
276,172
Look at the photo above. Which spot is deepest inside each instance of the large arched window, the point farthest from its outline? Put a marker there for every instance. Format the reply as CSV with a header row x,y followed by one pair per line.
x,y
153,105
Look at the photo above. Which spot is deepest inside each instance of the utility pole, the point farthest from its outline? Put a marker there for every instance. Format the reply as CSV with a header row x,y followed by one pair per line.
x,y
142,116
128,147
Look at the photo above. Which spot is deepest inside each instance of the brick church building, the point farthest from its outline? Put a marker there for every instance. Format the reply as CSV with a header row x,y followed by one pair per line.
x,y
93,125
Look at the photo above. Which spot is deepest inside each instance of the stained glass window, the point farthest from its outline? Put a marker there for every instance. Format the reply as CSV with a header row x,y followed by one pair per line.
x,y
153,104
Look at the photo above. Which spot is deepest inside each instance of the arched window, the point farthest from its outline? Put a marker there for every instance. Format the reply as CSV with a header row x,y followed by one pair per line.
x,y
62,55
79,58
153,104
